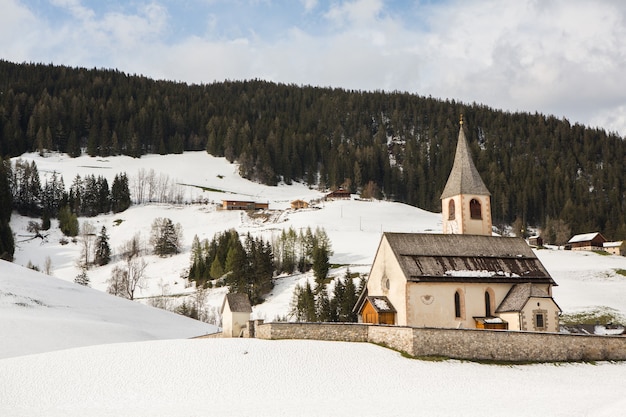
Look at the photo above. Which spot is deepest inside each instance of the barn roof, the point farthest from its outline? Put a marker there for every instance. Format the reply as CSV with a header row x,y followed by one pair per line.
x,y
519,295
464,177
466,258
238,303
586,237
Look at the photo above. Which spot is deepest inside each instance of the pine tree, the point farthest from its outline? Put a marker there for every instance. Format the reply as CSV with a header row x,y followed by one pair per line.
x,y
82,278
165,237
120,193
321,266
102,249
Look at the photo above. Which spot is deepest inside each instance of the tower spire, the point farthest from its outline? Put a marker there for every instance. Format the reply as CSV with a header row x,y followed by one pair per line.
x,y
465,201
464,177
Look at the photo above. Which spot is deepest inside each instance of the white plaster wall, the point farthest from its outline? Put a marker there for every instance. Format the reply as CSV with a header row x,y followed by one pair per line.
x,y
384,266
432,304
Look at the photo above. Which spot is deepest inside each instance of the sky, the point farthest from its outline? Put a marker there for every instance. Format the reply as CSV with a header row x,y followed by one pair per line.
x,y
557,57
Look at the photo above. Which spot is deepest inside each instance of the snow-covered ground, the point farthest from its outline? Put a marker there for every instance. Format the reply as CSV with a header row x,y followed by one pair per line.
x,y
104,369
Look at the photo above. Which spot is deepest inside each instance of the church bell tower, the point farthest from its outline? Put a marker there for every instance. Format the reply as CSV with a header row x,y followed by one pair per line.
x,y
465,201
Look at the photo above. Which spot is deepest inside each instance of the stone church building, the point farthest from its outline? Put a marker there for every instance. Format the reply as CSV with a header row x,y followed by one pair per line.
x,y
463,278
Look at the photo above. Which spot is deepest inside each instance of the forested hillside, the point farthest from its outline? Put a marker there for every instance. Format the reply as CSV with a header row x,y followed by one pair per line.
x,y
391,144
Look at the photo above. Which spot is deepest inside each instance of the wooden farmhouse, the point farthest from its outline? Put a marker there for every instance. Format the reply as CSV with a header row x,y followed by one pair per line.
x,y
299,204
243,205
464,278
587,241
535,241
235,311
339,194
615,248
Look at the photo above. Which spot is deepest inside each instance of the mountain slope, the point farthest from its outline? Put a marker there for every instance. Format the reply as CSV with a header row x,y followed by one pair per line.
x,y
39,313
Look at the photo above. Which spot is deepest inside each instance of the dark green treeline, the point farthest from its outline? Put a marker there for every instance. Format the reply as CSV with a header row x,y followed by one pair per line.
x,y
537,167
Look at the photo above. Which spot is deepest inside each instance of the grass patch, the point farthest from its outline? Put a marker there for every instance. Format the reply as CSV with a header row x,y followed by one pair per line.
x,y
117,222
601,252
621,271
597,315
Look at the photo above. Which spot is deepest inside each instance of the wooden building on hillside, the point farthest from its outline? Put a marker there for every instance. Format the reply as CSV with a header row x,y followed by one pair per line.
x,y
339,194
587,241
243,205
299,204
615,248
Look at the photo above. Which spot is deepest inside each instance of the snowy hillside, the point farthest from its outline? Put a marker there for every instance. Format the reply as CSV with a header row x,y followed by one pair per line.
x,y
586,281
91,354
39,313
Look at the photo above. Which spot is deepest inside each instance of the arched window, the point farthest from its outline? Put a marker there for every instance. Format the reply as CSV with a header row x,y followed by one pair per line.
x,y
451,213
487,304
458,313
475,209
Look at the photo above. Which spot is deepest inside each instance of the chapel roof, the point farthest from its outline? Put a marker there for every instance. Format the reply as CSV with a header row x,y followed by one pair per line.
x,y
238,303
519,295
464,177
466,258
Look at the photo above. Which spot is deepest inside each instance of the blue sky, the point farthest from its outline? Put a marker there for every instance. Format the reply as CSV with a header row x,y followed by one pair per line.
x,y
560,57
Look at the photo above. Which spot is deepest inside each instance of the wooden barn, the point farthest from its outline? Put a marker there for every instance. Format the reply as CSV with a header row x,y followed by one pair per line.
x,y
243,205
299,204
339,194
587,241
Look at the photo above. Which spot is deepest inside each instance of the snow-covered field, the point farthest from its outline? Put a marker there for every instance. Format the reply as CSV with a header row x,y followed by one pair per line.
x,y
92,354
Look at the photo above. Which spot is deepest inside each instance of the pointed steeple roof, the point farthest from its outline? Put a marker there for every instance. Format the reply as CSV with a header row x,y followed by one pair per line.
x,y
464,177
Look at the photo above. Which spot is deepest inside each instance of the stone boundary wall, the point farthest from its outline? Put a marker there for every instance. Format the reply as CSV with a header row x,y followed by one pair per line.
x,y
469,344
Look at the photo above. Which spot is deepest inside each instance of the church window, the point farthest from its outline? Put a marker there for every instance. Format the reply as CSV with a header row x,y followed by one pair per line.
x,y
451,213
488,306
459,304
475,209
539,319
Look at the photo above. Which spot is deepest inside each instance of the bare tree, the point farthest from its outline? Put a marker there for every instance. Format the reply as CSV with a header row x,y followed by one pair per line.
x,y
132,248
88,235
47,266
125,279
130,275
136,268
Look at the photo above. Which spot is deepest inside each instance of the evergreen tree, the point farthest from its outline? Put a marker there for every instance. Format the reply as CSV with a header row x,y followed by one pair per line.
x,y
82,278
165,237
102,254
120,194
68,222
321,266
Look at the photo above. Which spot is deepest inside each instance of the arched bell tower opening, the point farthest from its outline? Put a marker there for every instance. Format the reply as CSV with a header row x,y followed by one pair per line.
x,y
465,201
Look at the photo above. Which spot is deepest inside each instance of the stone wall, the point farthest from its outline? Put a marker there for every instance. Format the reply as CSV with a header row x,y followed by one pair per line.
x,y
341,332
470,344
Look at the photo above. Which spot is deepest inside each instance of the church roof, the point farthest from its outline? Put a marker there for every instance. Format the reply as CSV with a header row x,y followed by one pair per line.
x,y
464,177
466,258
519,295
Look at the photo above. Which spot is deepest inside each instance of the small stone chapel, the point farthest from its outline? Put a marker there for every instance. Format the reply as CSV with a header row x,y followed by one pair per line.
x,y
463,278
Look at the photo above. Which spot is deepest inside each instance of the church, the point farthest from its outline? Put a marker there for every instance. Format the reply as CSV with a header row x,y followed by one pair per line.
x,y
463,278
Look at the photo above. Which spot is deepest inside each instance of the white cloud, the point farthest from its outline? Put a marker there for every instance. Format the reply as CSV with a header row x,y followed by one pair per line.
x,y
309,5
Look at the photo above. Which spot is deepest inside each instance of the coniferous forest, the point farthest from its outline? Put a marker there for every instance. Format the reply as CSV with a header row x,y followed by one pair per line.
x,y
395,145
